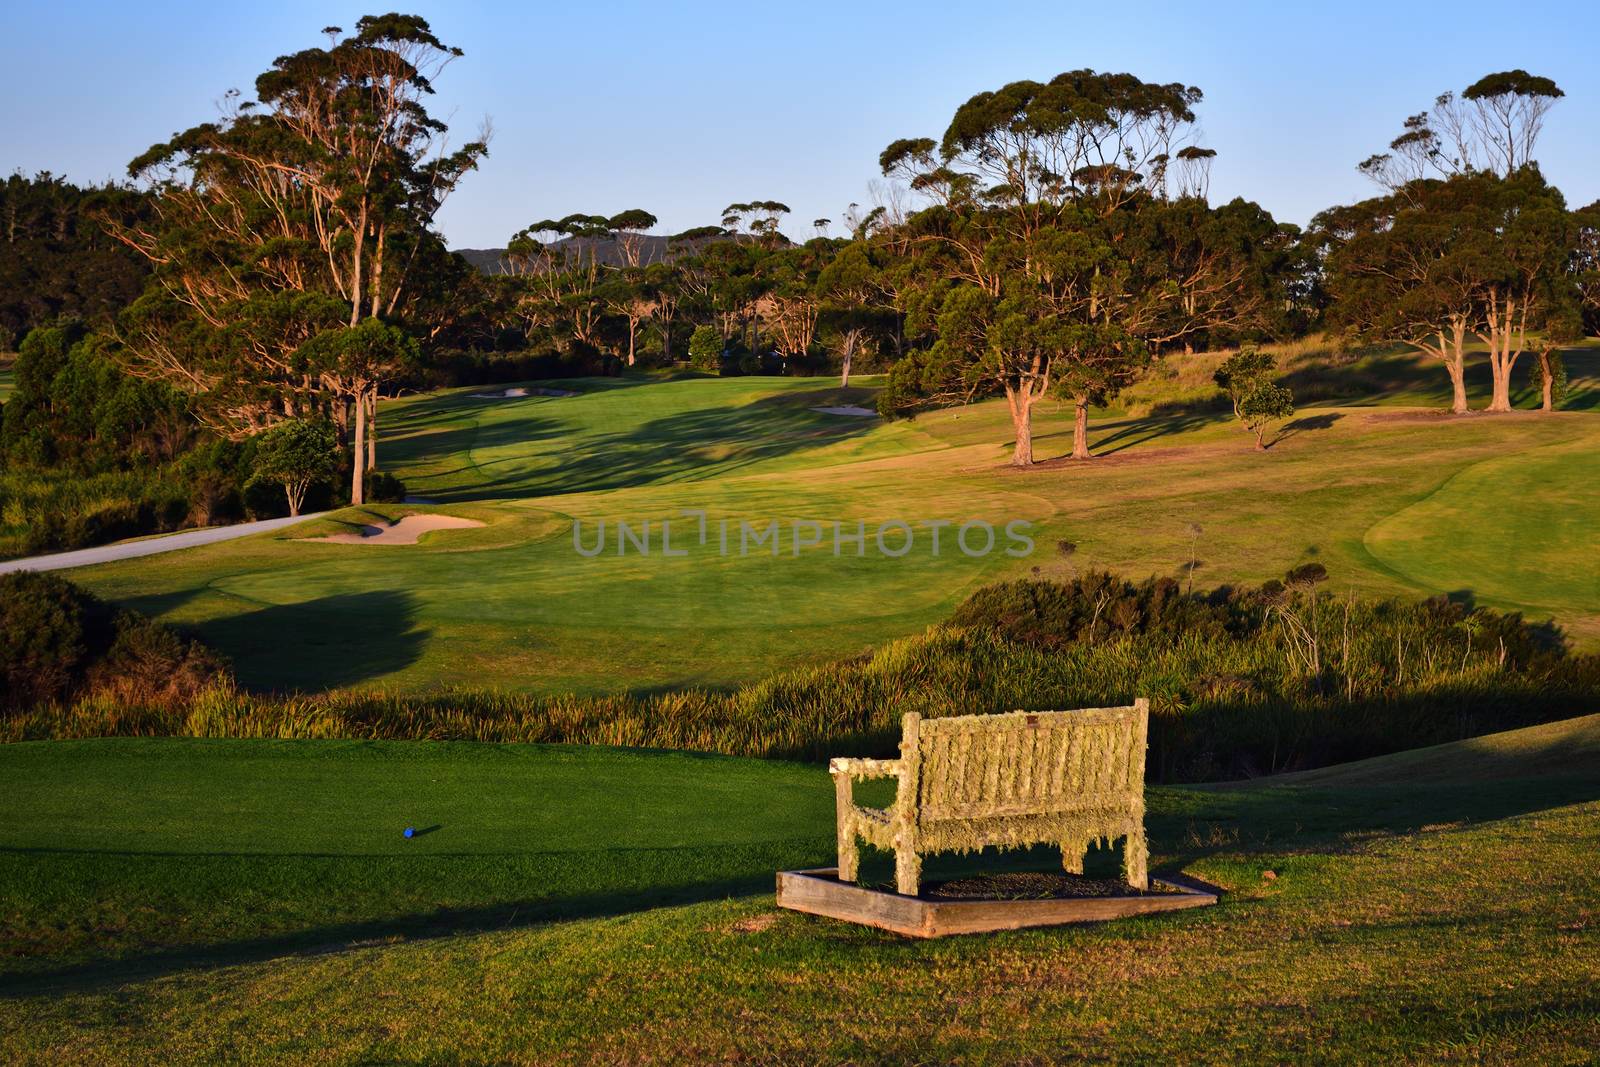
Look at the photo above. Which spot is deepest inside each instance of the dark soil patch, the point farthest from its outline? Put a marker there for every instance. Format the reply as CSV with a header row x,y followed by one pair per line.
x,y
1036,885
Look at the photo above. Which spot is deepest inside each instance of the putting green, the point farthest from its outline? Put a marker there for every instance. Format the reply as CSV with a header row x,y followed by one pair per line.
x,y
1519,531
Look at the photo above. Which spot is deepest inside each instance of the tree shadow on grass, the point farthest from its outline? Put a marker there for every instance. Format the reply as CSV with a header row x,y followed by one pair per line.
x,y
1305,424
755,878
325,643
1188,825
1129,433
686,446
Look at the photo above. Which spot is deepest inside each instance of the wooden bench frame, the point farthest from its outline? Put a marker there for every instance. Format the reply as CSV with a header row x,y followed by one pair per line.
x,y
1065,778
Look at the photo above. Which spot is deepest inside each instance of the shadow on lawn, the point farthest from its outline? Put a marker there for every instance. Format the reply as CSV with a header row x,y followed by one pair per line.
x,y
325,643
686,446
343,937
1186,825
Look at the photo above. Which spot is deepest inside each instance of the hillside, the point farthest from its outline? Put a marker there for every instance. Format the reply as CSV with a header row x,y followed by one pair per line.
x,y
1365,488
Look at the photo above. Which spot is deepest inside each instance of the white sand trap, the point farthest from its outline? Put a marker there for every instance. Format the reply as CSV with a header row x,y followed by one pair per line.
x,y
520,391
849,409
404,532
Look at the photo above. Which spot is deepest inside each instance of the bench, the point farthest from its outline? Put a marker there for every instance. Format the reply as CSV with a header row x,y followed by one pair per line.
x,y
1014,780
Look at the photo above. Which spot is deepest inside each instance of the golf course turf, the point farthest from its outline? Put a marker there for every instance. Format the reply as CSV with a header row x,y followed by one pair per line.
x,y
1379,493
256,900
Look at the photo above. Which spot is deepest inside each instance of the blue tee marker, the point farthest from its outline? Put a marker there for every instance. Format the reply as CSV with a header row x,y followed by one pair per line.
x,y
410,831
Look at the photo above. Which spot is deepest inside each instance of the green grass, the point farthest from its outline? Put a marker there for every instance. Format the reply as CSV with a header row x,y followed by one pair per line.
x,y
150,845
512,605
190,902
7,383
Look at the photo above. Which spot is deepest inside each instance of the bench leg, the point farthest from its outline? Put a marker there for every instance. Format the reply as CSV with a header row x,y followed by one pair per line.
x,y
1072,856
1136,859
849,853
907,871
845,826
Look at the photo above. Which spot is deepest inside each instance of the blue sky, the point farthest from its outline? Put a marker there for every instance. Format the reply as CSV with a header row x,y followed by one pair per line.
x,y
683,108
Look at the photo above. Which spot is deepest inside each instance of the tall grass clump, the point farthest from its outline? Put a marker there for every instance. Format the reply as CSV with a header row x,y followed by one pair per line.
x,y
1241,681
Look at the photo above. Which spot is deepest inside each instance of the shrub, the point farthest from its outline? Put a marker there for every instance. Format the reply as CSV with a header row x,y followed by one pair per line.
x,y
705,348
384,488
1099,606
43,636
58,642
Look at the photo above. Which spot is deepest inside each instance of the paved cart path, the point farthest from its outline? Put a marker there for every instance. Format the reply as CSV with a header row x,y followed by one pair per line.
x,y
148,546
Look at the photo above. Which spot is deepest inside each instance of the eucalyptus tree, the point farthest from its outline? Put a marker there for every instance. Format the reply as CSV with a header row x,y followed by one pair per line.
x,y
1439,260
1396,271
1492,127
1033,282
627,229
297,211
759,218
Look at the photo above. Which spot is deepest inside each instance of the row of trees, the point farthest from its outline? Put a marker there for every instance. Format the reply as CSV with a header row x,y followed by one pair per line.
x,y
1056,240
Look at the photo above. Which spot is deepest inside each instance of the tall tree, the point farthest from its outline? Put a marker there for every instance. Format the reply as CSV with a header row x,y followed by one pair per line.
x,y
1439,260
1033,282
297,210
1491,127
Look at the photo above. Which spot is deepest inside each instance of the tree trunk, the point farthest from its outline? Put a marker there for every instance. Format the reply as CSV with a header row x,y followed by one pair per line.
x,y
1021,406
1502,357
372,429
1080,428
358,469
296,495
1501,365
633,332
1548,398
1458,387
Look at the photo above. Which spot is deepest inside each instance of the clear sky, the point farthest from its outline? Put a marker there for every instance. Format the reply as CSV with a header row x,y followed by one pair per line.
x,y
683,108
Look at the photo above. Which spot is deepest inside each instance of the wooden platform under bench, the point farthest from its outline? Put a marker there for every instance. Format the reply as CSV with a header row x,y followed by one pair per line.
x,y
820,892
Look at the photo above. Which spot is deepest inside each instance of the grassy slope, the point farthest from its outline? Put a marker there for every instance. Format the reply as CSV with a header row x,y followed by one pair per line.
x,y
1439,904
1388,504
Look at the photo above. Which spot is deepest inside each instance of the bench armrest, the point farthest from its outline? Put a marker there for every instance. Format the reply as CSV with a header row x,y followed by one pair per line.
x,y
863,768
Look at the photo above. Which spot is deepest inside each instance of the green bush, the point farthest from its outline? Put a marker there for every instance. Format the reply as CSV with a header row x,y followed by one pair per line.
x,y
1100,606
705,348
58,642
45,626
384,488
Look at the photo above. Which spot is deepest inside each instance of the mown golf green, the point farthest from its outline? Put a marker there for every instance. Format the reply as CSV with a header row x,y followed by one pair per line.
x,y
195,901
1364,480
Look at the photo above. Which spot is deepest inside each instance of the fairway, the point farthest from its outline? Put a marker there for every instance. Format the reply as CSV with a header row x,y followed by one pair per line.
x,y
1381,497
255,900
1515,531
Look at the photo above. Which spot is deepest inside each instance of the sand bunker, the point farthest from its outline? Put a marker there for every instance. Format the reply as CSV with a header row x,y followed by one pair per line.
x,y
518,391
849,409
404,532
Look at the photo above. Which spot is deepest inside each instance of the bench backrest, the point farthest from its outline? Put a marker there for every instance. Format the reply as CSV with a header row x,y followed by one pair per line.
x,y
972,767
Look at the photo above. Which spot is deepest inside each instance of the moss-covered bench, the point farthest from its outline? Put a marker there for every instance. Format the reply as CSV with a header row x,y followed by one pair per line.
x,y
1025,778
